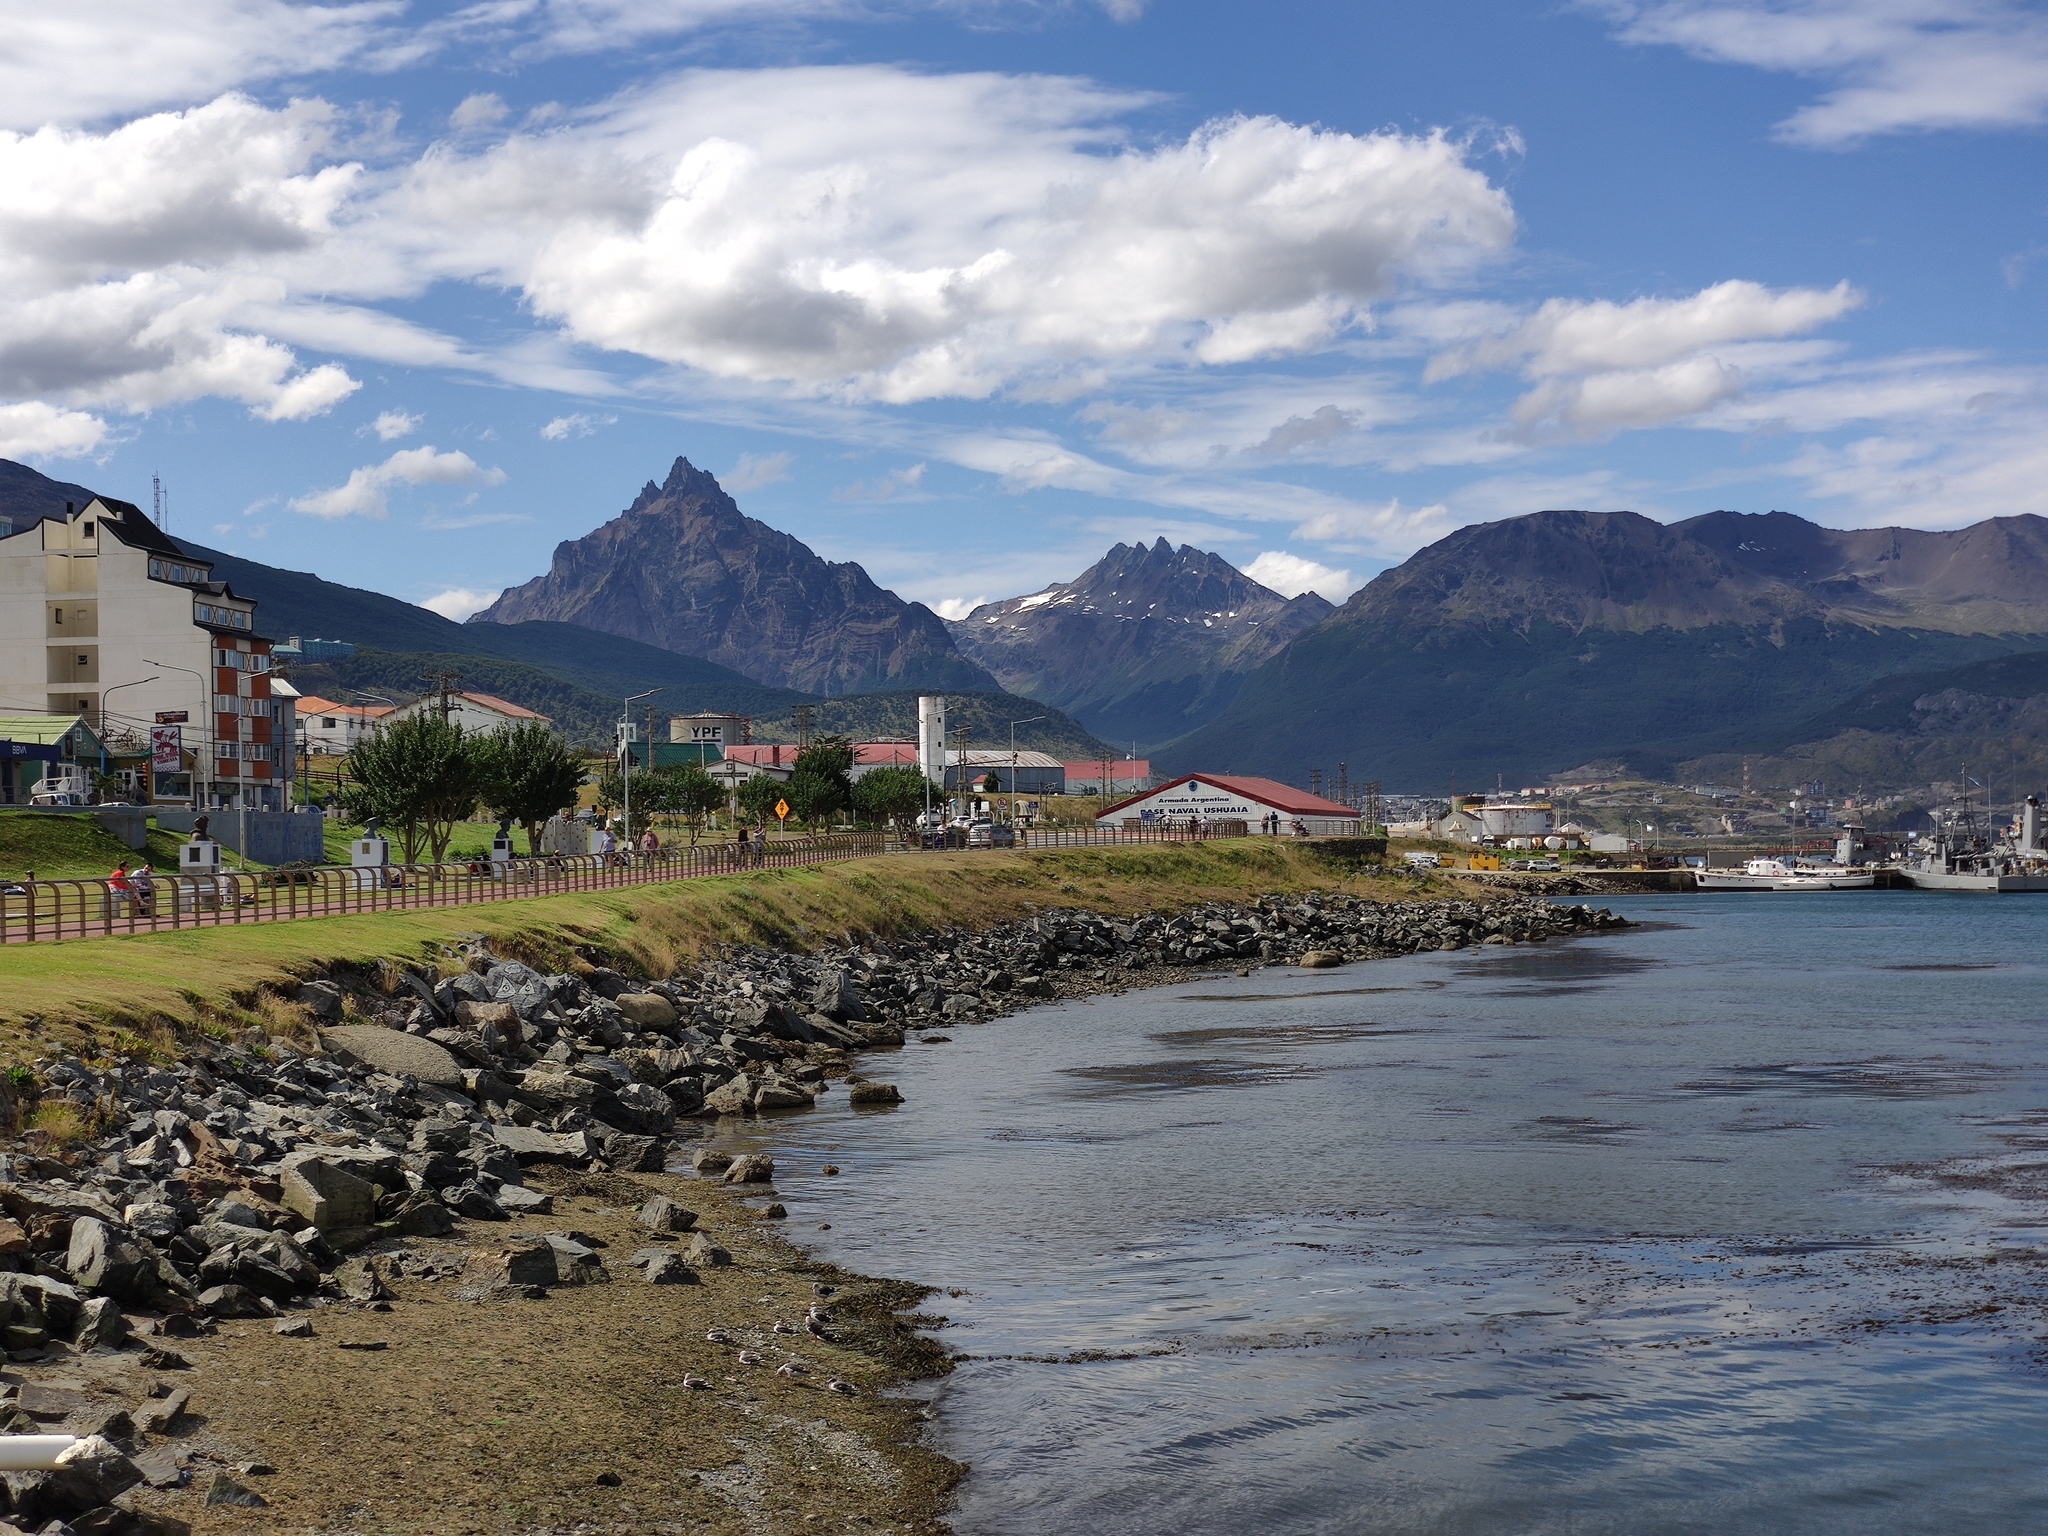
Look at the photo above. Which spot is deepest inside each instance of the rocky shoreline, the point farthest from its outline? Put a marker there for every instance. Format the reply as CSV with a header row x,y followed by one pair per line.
x,y
429,1136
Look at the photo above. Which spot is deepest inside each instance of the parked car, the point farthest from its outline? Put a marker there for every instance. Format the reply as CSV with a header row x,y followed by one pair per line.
x,y
1418,860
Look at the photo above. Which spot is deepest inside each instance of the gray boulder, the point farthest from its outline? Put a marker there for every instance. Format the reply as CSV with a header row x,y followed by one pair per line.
x,y
647,1010
104,1258
325,1193
702,1250
752,1168
838,998
735,1097
637,1108
528,1261
661,1214
669,1269
101,1325
320,998
870,1095
396,1052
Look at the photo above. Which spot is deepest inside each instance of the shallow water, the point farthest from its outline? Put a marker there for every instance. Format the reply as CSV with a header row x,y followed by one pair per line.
x,y
1731,1222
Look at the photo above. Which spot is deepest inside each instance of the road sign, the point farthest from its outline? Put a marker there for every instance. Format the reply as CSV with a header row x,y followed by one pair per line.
x,y
782,810
173,716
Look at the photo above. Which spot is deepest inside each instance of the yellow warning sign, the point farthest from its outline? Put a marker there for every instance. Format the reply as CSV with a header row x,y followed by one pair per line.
x,y
782,810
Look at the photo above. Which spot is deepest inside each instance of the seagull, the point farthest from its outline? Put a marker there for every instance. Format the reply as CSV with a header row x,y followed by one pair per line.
x,y
782,1327
750,1357
718,1336
843,1388
817,1314
695,1383
792,1369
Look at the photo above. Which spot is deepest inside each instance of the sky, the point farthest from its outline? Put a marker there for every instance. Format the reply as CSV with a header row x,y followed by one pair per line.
x,y
970,290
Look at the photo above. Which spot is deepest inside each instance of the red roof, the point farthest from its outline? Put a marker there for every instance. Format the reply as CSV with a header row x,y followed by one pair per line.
x,y
868,754
763,754
1283,798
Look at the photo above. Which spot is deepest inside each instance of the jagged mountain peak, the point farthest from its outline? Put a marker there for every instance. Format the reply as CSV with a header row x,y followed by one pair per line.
x,y
1146,643
685,569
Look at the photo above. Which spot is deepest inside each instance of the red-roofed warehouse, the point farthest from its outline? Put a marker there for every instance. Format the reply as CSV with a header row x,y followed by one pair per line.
x,y
1229,797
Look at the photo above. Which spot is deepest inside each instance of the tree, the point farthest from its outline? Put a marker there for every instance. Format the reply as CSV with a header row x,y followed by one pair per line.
x,y
681,789
696,796
420,774
529,773
758,796
884,794
821,782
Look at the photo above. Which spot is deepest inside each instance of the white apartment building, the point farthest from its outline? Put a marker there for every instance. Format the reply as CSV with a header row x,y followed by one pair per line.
x,y
330,729
103,615
478,714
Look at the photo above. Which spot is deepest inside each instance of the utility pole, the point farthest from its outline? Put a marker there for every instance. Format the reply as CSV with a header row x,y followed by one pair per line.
x,y
156,486
626,756
1033,720
966,735
444,683
806,718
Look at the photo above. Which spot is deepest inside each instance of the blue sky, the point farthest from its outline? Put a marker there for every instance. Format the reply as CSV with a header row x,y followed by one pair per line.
x,y
968,290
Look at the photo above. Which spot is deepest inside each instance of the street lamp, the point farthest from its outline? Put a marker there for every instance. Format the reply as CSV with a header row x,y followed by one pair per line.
x,y
626,748
1032,720
200,759
103,715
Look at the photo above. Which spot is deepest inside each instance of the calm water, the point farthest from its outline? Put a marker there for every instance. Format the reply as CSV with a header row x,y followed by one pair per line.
x,y
1729,1223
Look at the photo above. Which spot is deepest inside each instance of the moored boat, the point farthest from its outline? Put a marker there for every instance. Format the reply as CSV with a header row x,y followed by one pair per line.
x,y
1782,876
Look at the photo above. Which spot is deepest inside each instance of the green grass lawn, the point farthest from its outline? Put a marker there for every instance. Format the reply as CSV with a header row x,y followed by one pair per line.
x,y
223,973
72,847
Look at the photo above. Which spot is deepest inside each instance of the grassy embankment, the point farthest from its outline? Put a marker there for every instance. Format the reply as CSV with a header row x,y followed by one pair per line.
x,y
172,982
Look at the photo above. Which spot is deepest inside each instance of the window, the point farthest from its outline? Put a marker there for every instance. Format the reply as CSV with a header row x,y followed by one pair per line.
x,y
327,724
227,750
86,528
57,614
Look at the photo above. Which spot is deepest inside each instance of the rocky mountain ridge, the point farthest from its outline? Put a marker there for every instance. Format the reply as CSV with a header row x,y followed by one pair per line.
x,y
684,569
1146,644
1521,646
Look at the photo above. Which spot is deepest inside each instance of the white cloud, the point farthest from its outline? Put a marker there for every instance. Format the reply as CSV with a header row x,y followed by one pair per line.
x,y
1377,529
80,63
458,603
895,484
124,256
30,429
391,425
578,425
755,470
1896,65
878,234
957,607
483,110
1291,575
366,492
1602,367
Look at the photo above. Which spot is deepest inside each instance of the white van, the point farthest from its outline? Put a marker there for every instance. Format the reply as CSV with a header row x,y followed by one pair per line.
x,y
1423,860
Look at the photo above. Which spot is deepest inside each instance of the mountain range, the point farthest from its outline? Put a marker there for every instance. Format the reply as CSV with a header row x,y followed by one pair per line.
x,y
1144,645
1519,647
1876,657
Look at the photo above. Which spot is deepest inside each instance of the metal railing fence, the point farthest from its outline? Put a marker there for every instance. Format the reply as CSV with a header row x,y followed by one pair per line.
x,y
44,911
48,910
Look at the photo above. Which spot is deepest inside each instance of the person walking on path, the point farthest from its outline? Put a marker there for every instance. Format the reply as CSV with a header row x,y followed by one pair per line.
x,y
118,889
650,845
143,885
